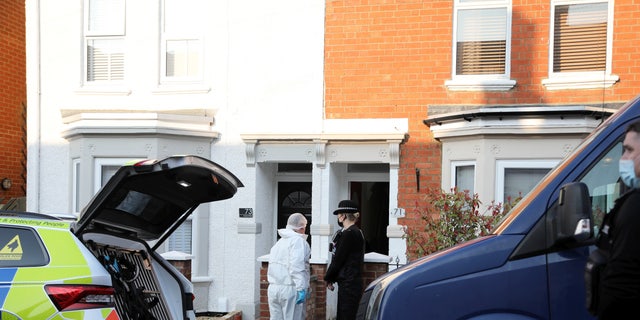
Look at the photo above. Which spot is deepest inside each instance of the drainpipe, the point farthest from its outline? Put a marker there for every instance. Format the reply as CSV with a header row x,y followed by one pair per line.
x,y
34,107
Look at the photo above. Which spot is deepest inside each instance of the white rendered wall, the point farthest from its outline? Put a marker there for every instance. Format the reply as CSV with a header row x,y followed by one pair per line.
x,y
263,70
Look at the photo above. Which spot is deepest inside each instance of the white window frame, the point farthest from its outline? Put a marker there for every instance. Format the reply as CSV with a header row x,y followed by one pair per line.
x,y
488,82
586,79
75,186
114,32
502,165
454,167
100,163
189,35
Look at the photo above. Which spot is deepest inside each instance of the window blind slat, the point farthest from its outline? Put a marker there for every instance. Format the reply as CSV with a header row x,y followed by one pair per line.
x,y
481,41
481,57
105,60
580,37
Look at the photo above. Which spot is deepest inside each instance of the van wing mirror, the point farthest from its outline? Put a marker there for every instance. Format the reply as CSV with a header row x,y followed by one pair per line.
x,y
573,222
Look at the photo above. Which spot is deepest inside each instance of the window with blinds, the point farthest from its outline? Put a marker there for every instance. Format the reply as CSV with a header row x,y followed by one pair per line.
x,y
104,40
482,38
180,240
580,37
181,40
481,44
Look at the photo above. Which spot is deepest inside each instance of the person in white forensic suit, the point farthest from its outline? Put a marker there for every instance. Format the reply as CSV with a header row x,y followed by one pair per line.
x,y
289,272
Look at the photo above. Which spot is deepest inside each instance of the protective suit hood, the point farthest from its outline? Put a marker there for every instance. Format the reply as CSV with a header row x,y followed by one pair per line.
x,y
288,233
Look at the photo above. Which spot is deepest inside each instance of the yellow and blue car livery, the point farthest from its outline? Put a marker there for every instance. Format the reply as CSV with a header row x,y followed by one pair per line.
x,y
46,273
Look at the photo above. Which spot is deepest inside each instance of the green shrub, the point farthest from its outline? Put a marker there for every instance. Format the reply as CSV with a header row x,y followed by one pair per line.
x,y
451,218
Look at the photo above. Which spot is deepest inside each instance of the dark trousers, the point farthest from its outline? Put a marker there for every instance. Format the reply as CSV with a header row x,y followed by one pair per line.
x,y
349,294
618,308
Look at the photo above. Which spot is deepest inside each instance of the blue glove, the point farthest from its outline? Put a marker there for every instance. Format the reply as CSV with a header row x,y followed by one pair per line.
x,y
301,296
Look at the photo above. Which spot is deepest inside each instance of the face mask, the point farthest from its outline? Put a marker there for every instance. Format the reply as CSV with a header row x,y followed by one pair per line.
x,y
628,173
340,222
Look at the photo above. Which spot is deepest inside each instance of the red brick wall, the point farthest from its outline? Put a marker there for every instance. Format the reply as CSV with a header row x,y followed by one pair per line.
x,y
316,304
183,266
12,97
390,59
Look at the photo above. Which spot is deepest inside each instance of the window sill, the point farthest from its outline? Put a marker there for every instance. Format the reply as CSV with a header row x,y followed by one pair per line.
x,y
202,279
580,82
104,90
480,85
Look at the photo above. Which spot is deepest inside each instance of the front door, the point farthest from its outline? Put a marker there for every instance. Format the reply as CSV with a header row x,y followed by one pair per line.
x,y
294,197
373,198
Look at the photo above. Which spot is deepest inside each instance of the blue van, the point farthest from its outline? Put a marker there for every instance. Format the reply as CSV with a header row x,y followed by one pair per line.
x,y
532,265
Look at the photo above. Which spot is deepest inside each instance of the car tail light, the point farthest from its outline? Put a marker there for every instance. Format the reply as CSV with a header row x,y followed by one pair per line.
x,y
73,297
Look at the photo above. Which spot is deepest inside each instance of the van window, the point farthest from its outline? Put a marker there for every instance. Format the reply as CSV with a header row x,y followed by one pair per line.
x,y
603,183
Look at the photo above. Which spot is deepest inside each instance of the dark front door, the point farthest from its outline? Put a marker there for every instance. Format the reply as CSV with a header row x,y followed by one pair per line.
x,y
294,197
373,198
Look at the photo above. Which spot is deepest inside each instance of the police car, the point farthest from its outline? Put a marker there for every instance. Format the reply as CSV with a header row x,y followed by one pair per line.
x,y
102,266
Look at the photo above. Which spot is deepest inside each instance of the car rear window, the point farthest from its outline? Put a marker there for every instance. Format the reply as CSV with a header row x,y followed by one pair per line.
x,y
21,247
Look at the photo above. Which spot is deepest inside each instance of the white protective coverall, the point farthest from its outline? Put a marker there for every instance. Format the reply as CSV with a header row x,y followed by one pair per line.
x,y
287,274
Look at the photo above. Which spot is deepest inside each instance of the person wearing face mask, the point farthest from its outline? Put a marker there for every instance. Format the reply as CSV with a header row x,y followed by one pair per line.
x,y
618,289
289,272
346,264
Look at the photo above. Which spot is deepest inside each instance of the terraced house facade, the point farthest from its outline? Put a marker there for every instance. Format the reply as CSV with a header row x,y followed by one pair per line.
x,y
309,103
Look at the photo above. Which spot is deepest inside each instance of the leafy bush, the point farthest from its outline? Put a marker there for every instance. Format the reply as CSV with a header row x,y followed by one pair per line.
x,y
451,218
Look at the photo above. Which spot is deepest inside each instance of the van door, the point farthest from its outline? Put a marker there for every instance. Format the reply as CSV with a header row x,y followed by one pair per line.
x,y
565,268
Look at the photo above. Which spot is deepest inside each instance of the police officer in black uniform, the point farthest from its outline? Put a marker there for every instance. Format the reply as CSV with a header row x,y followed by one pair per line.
x,y
347,262
615,292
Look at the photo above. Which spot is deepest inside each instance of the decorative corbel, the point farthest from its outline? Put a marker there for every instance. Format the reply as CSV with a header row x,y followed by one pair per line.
x,y
321,148
250,152
394,154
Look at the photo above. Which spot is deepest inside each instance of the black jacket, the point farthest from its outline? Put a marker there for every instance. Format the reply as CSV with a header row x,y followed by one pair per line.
x,y
620,283
348,260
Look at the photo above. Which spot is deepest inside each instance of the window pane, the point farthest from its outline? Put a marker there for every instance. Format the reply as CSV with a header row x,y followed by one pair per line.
x,y
105,60
367,167
107,173
464,178
481,41
181,16
519,181
580,37
106,17
603,183
182,26
183,58
295,167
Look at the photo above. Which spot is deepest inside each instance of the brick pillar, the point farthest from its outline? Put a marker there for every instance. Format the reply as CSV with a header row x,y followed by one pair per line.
x,y
319,295
181,261
184,266
264,285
